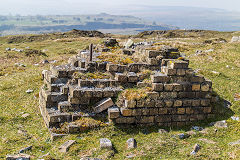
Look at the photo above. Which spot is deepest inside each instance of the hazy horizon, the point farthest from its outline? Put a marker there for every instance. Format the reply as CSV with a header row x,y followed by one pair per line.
x,y
74,7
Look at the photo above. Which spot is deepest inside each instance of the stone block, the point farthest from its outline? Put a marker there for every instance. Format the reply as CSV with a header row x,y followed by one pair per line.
x,y
205,87
205,102
146,119
187,102
103,105
133,67
176,64
98,93
137,112
64,106
149,103
18,157
132,77
158,87
180,110
196,102
122,68
168,103
106,144
131,143
177,103
65,146
112,67
207,109
189,110
113,113
169,71
159,103
196,87
177,87
197,79
153,111
145,112
126,112
143,84
108,92
130,103
160,78
163,118
162,111
153,61
168,87
82,100
120,77
125,120
181,72
152,95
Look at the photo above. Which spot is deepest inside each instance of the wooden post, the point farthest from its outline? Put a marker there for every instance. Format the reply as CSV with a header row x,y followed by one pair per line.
x,y
91,51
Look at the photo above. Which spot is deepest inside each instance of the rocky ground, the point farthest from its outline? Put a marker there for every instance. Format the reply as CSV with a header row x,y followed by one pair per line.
x,y
22,129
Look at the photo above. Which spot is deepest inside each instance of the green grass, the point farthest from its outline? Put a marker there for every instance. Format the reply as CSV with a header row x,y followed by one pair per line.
x,y
14,102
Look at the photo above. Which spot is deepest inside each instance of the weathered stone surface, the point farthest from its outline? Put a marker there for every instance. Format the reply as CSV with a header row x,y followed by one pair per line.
x,y
55,136
105,144
113,112
131,143
162,131
103,105
65,146
18,157
196,148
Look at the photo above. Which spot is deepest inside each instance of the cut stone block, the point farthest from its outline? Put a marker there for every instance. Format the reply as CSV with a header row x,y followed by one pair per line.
x,y
130,103
65,146
126,112
55,136
103,105
160,78
106,144
132,77
113,113
18,157
125,120
121,77
157,87
112,67
64,106
131,143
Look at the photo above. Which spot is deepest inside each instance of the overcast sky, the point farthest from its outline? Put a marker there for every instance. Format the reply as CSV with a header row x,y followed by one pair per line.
x,y
33,7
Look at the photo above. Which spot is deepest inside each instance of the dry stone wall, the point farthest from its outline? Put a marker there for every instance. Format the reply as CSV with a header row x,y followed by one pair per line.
x,y
177,96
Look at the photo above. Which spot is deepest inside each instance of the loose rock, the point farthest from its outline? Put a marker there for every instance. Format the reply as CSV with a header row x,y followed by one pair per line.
x,y
18,157
25,149
183,136
131,143
105,143
29,91
196,148
25,115
65,146
162,131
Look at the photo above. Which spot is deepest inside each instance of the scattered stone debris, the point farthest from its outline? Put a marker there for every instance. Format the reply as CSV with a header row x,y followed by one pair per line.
x,y
105,144
45,61
20,65
216,73
29,91
128,44
131,143
207,141
183,136
197,128
235,118
130,156
227,104
196,148
234,143
235,39
103,105
65,146
204,131
25,149
210,50
18,157
55,136
8,49
162,131
219,124
25,115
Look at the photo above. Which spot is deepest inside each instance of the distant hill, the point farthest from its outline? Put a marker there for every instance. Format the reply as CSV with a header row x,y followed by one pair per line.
x,y
190,17
11,25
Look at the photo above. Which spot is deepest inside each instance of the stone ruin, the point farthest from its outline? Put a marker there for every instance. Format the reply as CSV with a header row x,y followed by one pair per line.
x,y
174,95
